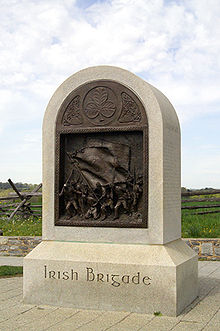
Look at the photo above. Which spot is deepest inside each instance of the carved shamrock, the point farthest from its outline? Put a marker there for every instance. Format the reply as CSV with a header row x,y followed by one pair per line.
x,y
98,105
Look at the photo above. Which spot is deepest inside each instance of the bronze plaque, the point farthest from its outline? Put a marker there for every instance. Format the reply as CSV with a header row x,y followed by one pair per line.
x,y
101,158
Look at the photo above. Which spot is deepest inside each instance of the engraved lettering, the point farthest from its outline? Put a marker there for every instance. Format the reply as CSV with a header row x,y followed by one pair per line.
x,y
146,280
136,279
100,277
114,282
74,274
52,274
65,275
125,279
90,275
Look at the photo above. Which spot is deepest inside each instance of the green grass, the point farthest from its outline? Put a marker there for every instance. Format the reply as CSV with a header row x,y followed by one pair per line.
x,y
19,226
10,271
200,226
157,313
5,193
200,203
193,226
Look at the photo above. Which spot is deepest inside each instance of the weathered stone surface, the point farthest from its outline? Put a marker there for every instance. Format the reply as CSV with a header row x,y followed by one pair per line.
x,y
23,248
196,249
25,241
15,253
217,251
12,247
13,241
3,240
3,253
26,246
87,320
195,242
207,249
18,246
147,278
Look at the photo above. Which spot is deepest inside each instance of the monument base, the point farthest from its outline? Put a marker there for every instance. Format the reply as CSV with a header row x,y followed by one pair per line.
x,y
103,276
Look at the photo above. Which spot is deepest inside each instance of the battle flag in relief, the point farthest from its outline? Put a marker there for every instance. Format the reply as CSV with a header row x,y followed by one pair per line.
x,y
101,161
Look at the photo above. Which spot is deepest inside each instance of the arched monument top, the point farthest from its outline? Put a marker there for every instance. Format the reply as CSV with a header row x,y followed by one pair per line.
x,y
141,115
147,93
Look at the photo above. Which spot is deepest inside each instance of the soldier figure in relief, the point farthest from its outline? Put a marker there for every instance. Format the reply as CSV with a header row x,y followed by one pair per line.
x,y
123,198
92,212
107,205
70,199
136,193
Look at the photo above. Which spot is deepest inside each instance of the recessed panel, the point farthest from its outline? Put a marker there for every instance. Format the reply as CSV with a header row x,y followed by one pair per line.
x,y
101,179
101,158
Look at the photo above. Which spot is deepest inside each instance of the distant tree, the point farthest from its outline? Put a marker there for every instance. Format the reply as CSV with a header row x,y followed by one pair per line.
x,y
4,186
184,190
20,186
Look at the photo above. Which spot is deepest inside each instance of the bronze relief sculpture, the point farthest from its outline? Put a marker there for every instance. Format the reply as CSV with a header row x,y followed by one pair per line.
x,y
101,158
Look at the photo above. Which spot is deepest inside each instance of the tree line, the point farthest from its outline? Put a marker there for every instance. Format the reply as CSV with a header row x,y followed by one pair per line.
x,y
20,186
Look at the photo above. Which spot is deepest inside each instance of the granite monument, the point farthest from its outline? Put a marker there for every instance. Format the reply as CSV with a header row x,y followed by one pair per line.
x,y
111,200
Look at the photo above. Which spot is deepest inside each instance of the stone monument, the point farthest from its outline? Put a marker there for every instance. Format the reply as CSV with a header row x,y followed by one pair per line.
x,y
111,200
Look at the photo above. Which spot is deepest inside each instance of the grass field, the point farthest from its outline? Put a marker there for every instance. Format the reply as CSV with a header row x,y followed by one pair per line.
x,y
200,226
193,226
10,271
21,227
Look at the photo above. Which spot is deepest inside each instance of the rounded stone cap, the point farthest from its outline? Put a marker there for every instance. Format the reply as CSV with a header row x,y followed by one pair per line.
x,y
164,207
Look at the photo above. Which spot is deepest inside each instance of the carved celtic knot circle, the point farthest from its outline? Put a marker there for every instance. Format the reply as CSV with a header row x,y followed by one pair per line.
x,y
100,105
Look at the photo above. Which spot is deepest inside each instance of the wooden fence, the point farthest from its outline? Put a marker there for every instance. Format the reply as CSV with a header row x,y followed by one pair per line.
x,y
12,208
210,202
20,203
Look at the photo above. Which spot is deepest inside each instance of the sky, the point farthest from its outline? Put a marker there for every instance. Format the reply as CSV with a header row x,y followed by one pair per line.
x,y
172,44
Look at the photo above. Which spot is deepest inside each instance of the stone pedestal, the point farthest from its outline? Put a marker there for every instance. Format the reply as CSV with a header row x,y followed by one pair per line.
x,y
136,278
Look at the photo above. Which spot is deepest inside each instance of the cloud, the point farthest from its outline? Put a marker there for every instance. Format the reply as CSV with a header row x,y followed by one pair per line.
x,y
201,169
174,45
